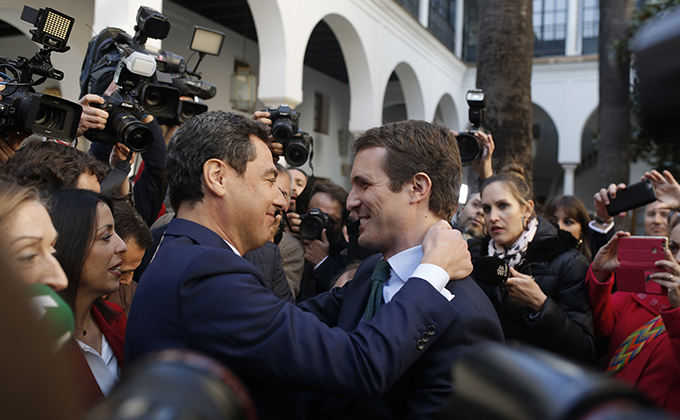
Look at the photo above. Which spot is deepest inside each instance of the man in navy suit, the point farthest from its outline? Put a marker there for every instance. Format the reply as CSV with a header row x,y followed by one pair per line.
x,y
198,293
405,179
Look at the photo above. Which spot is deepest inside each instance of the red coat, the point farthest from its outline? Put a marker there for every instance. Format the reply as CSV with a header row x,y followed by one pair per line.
x,y
655,371
114,332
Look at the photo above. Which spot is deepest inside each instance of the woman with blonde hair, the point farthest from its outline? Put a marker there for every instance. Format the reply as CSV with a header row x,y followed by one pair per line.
x,y
28,236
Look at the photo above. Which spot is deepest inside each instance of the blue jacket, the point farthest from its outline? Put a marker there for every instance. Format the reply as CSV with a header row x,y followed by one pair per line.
x,y
198,294
425,388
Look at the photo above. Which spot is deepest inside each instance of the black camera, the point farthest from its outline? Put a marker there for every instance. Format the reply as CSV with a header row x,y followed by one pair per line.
x,y
285,123
470,146
314,222
123,124
296,150
285,129
21,108
135,97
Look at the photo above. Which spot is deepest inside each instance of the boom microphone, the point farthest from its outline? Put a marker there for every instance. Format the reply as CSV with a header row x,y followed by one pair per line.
x,y
491,271
52,312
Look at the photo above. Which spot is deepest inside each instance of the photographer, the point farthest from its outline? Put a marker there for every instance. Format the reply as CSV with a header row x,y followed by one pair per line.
x,y
325,255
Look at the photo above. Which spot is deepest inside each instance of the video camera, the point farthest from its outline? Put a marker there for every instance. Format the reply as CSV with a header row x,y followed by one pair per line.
x,y
150,83
314,222
285,129
469,145
21,108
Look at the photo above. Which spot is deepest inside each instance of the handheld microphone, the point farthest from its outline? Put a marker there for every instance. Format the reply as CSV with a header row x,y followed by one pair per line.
x,y
491,271
52,312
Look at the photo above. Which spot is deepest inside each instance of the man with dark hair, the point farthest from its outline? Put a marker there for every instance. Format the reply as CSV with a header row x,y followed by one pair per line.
x,y
471,217
405,179
200,294
326,256
133,231
50,165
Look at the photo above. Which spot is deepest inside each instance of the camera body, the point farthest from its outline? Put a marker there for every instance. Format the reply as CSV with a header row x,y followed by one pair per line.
x,y
21,108
285,129
470,146
285,123
314,222
123,124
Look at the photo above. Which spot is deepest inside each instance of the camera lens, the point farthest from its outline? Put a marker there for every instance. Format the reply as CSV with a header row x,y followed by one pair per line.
x,y
282,130
311,227
470,147
49,117
295,152
132,132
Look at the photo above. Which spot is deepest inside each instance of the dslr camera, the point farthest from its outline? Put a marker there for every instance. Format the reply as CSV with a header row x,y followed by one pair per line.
x,y
21,108
470,146
285,129
135,97
152,82
314,222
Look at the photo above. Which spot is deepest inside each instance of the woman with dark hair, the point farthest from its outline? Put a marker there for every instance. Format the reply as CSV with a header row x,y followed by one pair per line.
x,y
89,251
544,301
570,214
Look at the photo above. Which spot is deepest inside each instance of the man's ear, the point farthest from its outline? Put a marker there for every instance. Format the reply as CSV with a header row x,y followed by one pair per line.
x,y
214,177
421,187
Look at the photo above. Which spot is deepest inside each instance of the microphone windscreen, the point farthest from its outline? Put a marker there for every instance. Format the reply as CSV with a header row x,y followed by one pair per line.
x,y
491,270
52,312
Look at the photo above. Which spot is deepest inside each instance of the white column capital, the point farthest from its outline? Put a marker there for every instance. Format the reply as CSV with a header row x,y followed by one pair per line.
x,y
568,186
424,13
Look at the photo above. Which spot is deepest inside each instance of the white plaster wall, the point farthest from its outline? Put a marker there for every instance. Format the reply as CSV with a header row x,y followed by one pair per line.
x,y
327,160
216,70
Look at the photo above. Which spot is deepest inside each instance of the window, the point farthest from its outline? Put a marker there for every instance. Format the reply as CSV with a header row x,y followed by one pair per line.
x,y
442,21
591,26
470,31
550,27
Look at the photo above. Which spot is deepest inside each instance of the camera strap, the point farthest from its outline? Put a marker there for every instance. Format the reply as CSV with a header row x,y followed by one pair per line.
x,y
116,177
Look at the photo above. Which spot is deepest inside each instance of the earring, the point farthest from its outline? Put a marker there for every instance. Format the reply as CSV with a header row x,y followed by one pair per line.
x,y
525,225
580,240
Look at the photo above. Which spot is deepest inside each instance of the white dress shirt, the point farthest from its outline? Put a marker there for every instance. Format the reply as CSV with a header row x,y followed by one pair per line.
x,y
405,265
104,366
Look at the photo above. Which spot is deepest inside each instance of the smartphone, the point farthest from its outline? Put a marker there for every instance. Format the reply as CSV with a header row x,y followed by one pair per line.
x,y
637,255
633,196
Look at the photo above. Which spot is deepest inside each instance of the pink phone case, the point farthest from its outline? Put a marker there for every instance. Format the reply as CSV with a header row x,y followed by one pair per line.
x,y
637,255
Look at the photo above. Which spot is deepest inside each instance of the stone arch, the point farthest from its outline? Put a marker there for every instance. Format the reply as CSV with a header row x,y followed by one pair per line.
x,y
273,89
446,112
547,171
412,91
358,72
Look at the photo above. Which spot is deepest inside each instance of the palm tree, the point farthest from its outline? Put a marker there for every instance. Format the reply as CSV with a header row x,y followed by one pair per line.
x,y
614,111
504,60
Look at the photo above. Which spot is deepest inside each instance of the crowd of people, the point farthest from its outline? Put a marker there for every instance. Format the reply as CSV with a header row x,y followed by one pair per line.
x,y
363,320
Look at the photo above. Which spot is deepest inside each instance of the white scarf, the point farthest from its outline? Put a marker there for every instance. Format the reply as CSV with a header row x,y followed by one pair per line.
x,y
514,254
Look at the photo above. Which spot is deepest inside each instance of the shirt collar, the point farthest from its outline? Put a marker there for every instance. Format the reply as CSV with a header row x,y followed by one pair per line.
x,y
233,248
405,263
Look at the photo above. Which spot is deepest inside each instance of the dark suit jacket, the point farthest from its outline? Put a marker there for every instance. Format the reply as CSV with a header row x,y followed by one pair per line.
x,y
198,294
425,387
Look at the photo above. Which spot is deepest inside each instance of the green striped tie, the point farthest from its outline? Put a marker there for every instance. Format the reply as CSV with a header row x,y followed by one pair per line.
x,y
381,273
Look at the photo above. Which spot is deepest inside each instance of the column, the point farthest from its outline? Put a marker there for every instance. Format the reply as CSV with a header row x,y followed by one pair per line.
x,y
460,22
424,13
573,35
569,168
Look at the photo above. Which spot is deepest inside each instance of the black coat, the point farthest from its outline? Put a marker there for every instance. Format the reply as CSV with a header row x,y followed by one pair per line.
x,y
565,324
